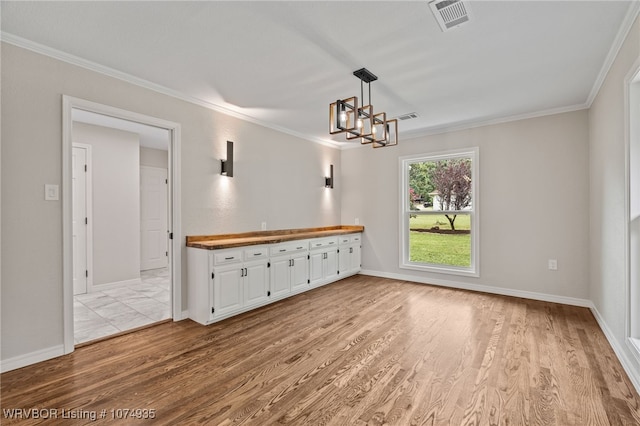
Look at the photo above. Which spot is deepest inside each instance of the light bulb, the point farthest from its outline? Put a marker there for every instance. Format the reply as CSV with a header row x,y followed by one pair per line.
x,y
343,117
359,123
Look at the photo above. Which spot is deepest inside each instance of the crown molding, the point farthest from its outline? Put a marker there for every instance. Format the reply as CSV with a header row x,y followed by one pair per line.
x,y
455,127
627,23
101,69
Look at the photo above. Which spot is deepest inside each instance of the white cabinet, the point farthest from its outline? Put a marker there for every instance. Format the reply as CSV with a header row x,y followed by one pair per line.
x,y
229,285
226,296
255,275
289,268
226,282
350,255
323,261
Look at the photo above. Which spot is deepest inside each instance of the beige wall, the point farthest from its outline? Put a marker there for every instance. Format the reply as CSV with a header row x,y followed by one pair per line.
x,y
115,178
533,203
154,158
278,179
607,201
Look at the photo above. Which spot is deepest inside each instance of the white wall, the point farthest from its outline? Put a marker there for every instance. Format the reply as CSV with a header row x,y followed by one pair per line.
x,y
278,179
607,203
533,205
115,177
154,157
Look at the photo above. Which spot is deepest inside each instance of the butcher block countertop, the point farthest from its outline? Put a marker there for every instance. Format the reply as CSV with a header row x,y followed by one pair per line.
x,y
214,242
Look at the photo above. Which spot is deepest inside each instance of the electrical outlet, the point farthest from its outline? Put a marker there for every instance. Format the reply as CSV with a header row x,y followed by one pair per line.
x,y
264,226
553,264
357,221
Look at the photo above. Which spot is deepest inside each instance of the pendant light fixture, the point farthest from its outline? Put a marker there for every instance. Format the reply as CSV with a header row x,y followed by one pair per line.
x,y
360,122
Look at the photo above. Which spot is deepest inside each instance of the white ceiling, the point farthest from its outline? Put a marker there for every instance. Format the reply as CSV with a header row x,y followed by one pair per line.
x,y
281,63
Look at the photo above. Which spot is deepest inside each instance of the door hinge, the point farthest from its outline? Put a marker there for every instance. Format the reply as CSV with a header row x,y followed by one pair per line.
x,y
86,273
166,253
268,293
85,168
166,181
86,221
268,264
212,275
308,257
171,235
213,310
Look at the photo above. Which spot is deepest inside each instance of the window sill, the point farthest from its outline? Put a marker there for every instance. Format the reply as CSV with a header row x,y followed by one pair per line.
x,y
448,270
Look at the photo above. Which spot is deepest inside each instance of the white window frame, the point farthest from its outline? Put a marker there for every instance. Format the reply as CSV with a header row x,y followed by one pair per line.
x,y
404,162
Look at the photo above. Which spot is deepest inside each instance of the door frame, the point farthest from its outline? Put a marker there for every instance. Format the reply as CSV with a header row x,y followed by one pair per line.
x,y
174,220
88,212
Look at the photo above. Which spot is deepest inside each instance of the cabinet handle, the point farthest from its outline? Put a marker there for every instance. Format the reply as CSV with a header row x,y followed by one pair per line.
x,y
281,250
246,272
257,254
350,249
299,248
229,258
293,262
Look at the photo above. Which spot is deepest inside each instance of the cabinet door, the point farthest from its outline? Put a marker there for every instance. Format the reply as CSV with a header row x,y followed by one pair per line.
x,y
356,257
299,272
331,265
256,283
316,267
280,281
344,260
227,290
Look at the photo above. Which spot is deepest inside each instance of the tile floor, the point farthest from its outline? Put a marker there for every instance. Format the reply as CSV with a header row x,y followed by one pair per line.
x,y
102,313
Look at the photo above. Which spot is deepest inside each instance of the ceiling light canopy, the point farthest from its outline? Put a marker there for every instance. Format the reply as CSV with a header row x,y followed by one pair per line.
x,y
361,122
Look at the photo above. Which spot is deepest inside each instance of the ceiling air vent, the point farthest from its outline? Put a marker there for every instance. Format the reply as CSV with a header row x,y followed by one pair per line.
x,y
449,13
408,116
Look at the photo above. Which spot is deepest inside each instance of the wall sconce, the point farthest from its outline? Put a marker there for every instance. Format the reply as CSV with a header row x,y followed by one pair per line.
x,y
226,168
328,180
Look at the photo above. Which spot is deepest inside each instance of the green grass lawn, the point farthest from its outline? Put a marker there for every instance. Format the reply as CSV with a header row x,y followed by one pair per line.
x,y
440,249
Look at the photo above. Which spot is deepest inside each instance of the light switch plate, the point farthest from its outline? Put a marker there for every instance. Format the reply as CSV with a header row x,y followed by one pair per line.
x,y
51,192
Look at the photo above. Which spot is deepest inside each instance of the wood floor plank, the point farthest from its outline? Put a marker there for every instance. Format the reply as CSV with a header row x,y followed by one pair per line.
x,y
361,351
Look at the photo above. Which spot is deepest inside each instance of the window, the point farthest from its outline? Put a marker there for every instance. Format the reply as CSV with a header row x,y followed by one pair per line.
x,y
439,212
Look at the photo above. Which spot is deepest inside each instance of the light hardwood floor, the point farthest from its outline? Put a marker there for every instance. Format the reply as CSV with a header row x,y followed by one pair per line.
x,y
363,350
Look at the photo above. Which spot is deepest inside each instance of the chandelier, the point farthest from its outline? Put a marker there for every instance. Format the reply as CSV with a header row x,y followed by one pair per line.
x,y
361,122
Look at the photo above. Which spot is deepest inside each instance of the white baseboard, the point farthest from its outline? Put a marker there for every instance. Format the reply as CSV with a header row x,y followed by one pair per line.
x,y
484,288
31,358
185,315
627,364
115,284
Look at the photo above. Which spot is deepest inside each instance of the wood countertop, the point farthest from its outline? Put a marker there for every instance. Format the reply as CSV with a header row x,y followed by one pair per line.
x,y
222,241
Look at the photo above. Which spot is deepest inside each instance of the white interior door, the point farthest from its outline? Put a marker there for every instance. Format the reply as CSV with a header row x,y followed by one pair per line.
x,y
79,195
153,218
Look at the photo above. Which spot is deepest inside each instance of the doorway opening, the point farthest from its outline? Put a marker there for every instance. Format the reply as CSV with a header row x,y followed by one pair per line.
x,y
121,223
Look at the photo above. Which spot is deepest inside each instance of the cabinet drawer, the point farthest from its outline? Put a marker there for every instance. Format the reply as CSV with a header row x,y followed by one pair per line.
x,y
286,248
324,242
356,238
224,257
344,239
254,253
